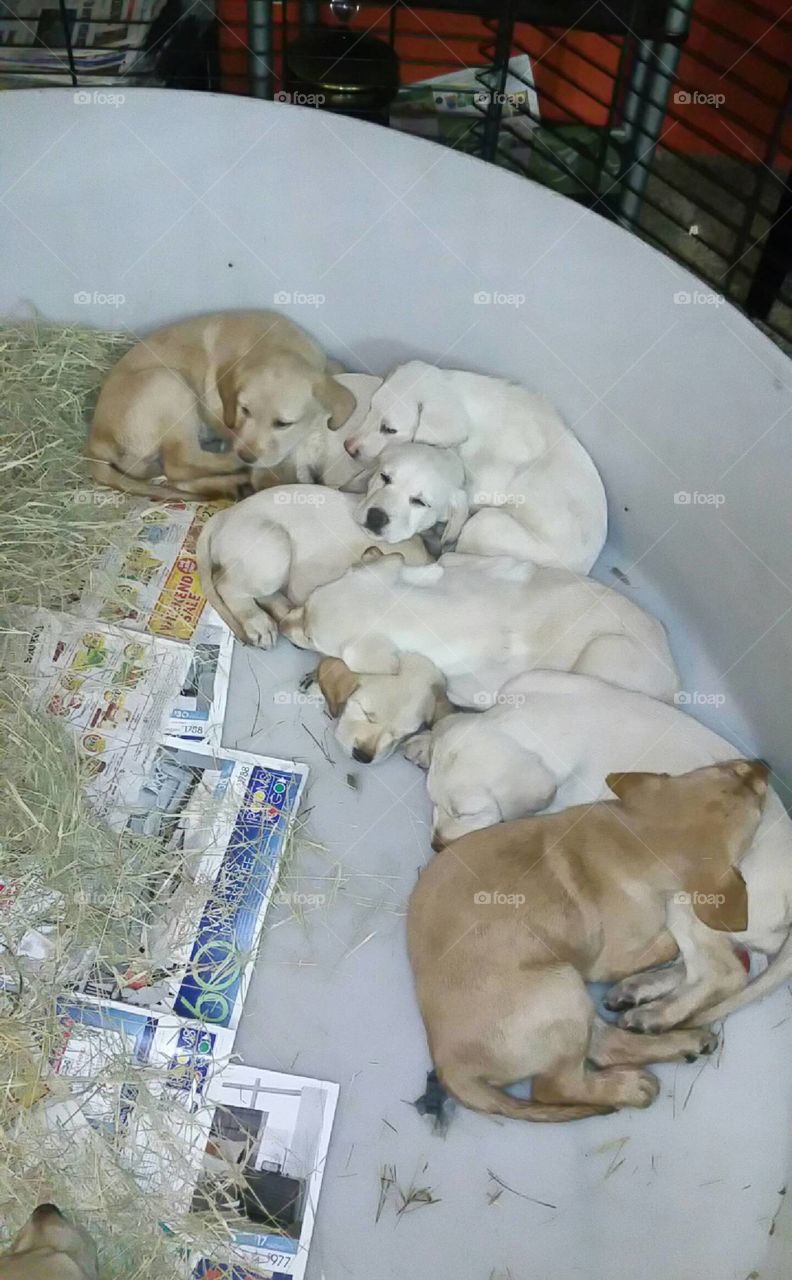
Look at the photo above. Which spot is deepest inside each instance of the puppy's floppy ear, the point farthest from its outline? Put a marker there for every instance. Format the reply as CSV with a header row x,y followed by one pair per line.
x,y
418,748
626,785
721,902
228,389
459,511
441,421
337,683
336,399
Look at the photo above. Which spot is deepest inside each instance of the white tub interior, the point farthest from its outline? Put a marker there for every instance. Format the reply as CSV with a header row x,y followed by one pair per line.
x,y
184,203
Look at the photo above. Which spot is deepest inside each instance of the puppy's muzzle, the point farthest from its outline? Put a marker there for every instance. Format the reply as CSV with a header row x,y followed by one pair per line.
x,y
376,519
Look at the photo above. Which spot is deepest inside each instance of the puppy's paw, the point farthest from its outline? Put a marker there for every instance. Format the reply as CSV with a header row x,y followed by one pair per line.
x,y
631,1088
261,631
703,1043
646,1020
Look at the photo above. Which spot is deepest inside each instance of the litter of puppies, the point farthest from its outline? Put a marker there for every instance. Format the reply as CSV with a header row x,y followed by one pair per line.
x,y
528,691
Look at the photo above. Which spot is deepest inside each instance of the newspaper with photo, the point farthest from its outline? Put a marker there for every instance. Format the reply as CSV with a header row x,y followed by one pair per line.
x,y
150,583
225,818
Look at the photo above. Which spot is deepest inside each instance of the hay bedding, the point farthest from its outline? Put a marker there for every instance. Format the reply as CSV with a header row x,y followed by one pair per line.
x,y
55,855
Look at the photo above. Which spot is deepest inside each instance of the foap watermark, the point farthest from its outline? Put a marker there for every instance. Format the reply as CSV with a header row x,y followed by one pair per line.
x,y
698,298
695,98
98,98
298,698
98,498
697,899
297,499
483,98
498,899
698,698
299,900
291,298
489,498
500,699
695,499
494,298
87,298
298,99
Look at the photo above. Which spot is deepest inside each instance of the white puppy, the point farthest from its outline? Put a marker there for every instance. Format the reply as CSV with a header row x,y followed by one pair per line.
x,y
267,553
536,492
415,487
549,744
481,621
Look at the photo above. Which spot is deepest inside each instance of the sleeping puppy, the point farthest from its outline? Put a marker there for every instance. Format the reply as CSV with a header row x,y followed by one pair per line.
x,y
549,744
49,1247
536,492
376,713
506,926
415,487
482,620
269,552
253,378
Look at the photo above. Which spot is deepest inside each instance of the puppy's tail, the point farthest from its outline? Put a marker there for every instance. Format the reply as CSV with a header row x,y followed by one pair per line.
x,y
107,473
778,971
476,1093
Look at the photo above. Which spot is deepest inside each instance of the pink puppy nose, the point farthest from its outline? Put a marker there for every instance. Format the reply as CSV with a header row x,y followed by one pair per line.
x,y
352,449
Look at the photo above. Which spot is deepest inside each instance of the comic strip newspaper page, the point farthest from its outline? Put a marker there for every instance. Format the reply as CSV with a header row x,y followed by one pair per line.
x,y
151,584
111,688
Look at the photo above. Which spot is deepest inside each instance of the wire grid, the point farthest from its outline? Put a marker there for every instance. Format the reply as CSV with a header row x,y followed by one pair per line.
x,y
671,118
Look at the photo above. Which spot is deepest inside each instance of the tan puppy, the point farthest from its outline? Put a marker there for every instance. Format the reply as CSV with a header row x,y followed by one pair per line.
x,y
376,713
506,926
49,1247
253,378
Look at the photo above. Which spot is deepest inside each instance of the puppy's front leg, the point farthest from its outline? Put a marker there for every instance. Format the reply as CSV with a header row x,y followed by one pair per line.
x,y
640,988
711,966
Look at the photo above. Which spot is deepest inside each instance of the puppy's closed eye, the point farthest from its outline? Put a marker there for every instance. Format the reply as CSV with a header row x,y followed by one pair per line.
x,y
418,502
279,422
386,430
384,478
243,409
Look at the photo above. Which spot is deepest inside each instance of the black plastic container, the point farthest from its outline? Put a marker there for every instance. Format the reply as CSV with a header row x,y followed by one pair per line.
x,y
342,71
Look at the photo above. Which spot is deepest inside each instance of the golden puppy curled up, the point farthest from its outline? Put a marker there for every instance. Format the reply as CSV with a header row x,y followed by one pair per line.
x,y
251,379
508,924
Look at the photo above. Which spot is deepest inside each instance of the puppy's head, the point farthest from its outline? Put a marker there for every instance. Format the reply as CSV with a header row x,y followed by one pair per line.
x,y
710,816
478,776
49,1247
415,487
270,405
393,415
377,712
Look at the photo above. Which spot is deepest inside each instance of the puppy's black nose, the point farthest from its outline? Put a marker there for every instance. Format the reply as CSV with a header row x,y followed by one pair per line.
x,y
376,519
362,756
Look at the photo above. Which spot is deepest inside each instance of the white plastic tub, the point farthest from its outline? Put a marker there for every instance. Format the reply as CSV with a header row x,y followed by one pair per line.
x,y
382,246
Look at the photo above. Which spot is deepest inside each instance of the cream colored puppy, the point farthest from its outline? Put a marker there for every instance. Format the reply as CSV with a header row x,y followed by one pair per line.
x,y
376,713
262,556
506,926
536,492
251,377
415,487
49,1247
482,620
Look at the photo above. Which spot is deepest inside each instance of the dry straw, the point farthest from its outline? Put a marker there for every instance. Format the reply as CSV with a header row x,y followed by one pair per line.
x,y
61,870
